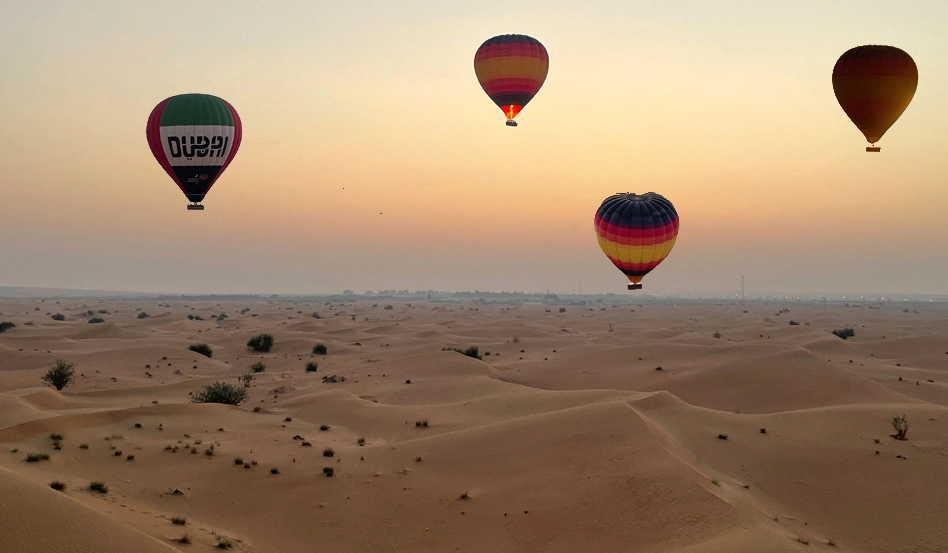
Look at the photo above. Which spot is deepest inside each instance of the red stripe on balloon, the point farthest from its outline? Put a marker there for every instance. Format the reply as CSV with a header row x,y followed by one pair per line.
x,y
153,134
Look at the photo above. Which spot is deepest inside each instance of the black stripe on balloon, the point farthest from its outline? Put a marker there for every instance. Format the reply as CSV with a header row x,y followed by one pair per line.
x,y
512,99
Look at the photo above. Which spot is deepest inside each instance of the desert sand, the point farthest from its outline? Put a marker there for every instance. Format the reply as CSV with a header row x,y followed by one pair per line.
x,y
564,438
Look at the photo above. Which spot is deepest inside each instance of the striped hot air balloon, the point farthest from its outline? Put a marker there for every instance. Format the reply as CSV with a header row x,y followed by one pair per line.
x,y
874,85
636,232
511,70
194,137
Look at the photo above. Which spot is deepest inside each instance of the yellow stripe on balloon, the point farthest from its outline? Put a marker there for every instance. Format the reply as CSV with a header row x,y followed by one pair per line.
x,y
511,67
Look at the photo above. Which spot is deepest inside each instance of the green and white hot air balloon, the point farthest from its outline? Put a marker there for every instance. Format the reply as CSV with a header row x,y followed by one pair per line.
x,y
194,137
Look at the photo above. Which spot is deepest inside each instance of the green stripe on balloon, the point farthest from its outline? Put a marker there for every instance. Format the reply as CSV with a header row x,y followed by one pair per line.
x,y
196,109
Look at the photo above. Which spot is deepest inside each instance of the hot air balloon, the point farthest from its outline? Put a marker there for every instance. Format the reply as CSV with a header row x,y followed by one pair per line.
x,y
511,70
194,137
874,85
636,232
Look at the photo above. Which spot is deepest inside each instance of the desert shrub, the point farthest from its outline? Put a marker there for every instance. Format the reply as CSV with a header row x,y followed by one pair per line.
x,y
83,446
247,379
143,315
224,543
324,427
274,470
118,453
312,366
844,333
185,539
59,376
57,485
328,471
722,436
4,326
328,452
56,437
130,458
316,315
98,486
361,441
96,320
261,342
103,311
257,409
562,310
59,317
37,457
716,335
901,427
258,367
238,460
320,349
794,323
465,496
203,349
388,307
221,392
470,352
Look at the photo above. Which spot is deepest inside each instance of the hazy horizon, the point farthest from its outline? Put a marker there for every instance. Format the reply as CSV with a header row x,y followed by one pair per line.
x,y
373,160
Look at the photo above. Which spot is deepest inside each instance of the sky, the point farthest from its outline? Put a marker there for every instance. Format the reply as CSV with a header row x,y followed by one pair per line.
x,y
371,158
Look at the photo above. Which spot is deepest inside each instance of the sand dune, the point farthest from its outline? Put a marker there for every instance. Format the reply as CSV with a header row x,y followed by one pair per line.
x,y
563,437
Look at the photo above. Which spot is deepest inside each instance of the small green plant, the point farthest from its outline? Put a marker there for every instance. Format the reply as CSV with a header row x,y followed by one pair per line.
x,y
258,367
37,457
59,317
312,366
203,349
844,333
180,521
470,352
320,349
220,392
328,452
328,471
98,486
260,343
901,427
59,376
247,379
57,485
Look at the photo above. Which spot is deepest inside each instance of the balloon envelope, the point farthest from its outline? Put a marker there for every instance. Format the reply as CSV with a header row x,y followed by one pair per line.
x,y
874,85
511,70
194,137
636,232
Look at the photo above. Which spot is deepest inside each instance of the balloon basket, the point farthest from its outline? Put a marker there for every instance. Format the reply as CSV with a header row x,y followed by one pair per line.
x,y
195,207
635,286
511,123
873,149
